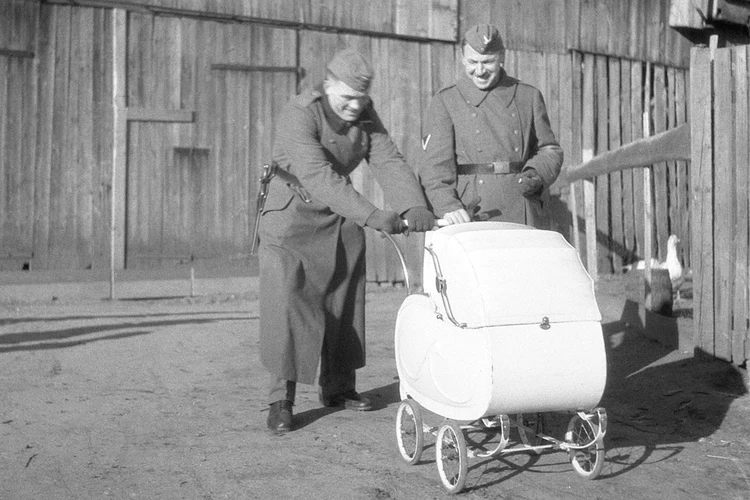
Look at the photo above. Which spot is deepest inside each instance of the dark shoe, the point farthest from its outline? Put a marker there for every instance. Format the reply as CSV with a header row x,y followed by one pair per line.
x,y
350,400
280,417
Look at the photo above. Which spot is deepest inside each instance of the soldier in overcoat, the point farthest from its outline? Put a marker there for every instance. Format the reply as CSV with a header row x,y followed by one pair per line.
x,y
489,152
312,241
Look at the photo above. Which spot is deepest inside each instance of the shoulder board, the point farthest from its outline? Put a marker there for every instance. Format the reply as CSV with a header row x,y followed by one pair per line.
x,y
446,88
308,97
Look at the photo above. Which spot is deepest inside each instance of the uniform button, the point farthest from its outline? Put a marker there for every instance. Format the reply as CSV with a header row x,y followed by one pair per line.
x,y
515,132
474,115
513,115
481,181
515,149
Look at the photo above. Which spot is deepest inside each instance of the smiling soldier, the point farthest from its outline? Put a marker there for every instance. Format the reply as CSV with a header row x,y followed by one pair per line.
x,y
312,242
489,152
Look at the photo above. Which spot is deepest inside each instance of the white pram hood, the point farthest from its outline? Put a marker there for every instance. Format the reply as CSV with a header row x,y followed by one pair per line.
x,y
499,273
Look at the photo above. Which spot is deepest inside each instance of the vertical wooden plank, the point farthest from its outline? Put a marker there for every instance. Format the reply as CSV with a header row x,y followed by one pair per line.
x,y
683,172
7,140
741,310
637,34
604,234
659,119
5,161
587,27
672,187
573,108
701,181
648,204
136,74
724,196
46,89
84,155
59,196
572,19
73,172
618,39
626,135
654,30
636,122
30,127
617,245
565,132
588,145
550,66
605,28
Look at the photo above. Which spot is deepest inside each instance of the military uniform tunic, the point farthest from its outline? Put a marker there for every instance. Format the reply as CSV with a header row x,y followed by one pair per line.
x,y
507,124
312,255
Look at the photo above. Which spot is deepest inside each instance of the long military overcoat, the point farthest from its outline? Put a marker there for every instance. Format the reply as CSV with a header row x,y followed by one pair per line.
x,y
466,125
312,255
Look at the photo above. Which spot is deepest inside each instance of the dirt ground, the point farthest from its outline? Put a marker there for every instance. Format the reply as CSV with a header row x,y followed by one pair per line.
x,y
165,399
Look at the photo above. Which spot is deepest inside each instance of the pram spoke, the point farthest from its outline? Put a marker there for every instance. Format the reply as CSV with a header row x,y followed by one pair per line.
x,y
452,458
409,431
585,440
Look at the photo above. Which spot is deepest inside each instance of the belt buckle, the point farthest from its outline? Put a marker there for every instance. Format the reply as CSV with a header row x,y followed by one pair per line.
x,y
501,167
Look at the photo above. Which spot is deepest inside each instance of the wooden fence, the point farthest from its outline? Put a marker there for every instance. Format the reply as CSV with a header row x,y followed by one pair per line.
x,y
720,139
623,100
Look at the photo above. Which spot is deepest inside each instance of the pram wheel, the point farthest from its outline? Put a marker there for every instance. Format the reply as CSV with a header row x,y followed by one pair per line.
x,y
587,460
409,432
452,457
535,422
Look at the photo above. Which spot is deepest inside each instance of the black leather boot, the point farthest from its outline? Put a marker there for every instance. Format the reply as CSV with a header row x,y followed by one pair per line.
x,y
350,400
280,417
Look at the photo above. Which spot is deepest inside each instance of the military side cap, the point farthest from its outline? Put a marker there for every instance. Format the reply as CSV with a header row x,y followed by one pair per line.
x,y
352,68
484,38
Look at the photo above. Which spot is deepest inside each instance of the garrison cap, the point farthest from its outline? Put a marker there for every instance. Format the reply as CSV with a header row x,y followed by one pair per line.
x,y
352,68
484,38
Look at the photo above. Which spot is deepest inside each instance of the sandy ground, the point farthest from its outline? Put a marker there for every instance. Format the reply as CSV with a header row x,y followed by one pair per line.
x,y
164,398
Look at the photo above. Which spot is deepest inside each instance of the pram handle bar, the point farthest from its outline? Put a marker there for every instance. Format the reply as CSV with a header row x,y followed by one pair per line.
x,y
438,224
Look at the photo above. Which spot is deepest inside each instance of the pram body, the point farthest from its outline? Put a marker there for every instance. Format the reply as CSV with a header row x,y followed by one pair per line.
x,y
508,324
528,337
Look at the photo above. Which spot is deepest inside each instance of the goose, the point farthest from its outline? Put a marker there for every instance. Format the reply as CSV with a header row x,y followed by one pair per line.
x,y
671,264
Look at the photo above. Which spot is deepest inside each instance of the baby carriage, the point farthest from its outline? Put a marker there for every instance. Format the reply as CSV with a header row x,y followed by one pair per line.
x,y
507,328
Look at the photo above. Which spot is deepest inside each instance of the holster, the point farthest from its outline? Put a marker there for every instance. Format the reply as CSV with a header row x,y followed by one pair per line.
x,y
268,172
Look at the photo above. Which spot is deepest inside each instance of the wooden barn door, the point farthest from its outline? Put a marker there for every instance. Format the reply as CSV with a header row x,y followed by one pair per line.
x,y
203,97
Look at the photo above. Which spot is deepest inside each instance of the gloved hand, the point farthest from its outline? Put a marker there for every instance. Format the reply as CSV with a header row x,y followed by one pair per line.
x,y
386,221
530,183
419,219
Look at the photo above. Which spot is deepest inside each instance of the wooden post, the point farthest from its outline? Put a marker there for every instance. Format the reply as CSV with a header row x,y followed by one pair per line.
x,y
701,183
119,146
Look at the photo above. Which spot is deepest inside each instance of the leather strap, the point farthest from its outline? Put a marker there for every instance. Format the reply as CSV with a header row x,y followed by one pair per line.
x,y
496,167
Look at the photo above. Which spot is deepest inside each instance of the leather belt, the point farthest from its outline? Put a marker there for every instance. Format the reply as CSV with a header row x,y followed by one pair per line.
x,y
496,167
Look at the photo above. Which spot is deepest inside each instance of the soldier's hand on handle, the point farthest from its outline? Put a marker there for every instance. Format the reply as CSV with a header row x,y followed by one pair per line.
x,y
386,221
459,216
530,183
419,219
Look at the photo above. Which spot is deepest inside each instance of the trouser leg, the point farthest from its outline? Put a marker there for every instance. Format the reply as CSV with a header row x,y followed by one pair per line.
x,y
336,383
280,389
